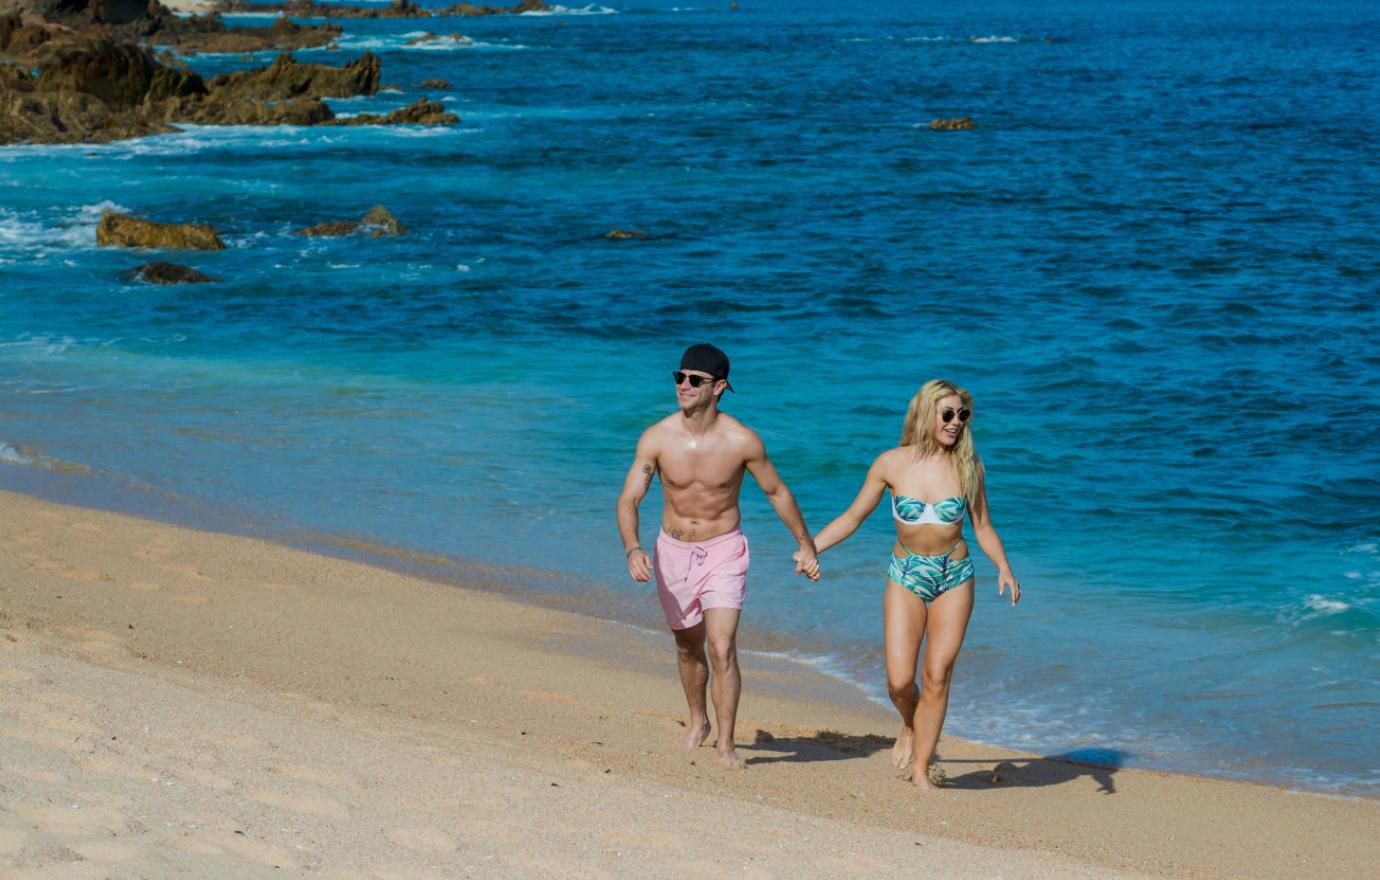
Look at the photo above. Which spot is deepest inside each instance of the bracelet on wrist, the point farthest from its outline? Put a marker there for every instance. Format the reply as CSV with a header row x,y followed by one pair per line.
x,y
630,550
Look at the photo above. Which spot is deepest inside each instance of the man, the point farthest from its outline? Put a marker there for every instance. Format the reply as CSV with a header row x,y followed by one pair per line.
x,y
701,556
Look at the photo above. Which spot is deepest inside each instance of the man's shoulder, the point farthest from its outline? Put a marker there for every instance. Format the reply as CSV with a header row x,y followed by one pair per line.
x,y
734,430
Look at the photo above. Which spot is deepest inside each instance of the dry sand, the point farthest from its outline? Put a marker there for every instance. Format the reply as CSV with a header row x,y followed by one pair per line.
x,y
183,704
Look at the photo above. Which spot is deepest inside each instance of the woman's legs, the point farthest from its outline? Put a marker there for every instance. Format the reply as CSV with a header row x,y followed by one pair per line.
x,y
903,617
945,622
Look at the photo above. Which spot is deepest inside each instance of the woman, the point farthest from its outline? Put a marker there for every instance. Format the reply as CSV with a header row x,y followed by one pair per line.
x,y
929,590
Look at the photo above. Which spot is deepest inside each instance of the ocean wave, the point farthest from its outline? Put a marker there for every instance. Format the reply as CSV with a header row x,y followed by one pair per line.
x,y
403,43
27,234
990,38
11,455
592,9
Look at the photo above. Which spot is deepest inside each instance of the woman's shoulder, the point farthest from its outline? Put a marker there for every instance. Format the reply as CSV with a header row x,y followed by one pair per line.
x,y
893,460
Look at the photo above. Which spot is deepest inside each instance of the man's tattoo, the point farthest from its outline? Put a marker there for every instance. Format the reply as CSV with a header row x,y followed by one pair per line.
x,y
674,533
648,471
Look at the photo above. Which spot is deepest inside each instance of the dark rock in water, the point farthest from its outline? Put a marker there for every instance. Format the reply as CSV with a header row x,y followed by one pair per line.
x,y
286,79
420,112
435,83
331,228
122,230
960,124
170,273
624,234
377,222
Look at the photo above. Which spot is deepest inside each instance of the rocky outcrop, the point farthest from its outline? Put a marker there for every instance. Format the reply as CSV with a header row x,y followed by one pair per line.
x,y
114,12
377,222
959,124
209,34
122,230
421,112
94,90
624,234
397,9
170,273
286,79
436,84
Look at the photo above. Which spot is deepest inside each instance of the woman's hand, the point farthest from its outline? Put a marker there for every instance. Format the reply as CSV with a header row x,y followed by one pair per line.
x,y
1007,579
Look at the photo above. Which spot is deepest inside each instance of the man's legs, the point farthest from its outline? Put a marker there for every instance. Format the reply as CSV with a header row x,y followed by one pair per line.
x,y
694,675
721,631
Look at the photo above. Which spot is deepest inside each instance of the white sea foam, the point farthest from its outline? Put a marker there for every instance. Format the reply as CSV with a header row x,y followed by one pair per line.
x,y
994,39
30,235
1324,606
592,9
400,43
10,455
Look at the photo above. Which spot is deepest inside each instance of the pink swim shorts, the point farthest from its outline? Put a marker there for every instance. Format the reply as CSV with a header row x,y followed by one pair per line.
x,y
691,577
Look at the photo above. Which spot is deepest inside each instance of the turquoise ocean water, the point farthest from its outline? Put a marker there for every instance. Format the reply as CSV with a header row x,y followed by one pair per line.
x,y
1154,262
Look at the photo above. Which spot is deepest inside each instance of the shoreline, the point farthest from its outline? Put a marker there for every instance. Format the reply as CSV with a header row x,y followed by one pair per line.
x,y
325,641
85,489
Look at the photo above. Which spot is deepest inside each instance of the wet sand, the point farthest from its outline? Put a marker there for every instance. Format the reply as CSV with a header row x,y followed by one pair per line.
x,y
179,703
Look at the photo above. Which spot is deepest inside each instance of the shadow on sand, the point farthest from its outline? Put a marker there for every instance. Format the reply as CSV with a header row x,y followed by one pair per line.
x,y
1013,772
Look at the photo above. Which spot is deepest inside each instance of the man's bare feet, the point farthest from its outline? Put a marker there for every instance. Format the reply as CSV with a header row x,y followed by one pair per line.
x,y
696,736
901,753
731,760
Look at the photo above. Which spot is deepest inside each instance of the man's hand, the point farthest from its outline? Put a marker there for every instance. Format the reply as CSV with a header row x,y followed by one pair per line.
x,y
807,561
639,566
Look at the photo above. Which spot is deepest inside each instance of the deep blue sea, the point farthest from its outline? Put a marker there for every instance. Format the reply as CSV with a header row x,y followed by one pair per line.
x,y
1155,263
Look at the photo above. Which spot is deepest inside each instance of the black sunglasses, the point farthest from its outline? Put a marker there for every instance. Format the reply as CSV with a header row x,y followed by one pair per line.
x,y
948,415
695,381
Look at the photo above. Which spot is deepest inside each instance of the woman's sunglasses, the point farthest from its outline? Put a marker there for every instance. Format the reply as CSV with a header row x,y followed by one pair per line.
x,y
695,381
948,415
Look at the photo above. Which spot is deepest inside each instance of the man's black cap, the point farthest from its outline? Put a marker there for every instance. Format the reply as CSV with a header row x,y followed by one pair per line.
x,y
707,359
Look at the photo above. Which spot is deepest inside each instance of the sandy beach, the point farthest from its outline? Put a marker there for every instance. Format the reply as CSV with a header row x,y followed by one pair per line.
x,y
178,703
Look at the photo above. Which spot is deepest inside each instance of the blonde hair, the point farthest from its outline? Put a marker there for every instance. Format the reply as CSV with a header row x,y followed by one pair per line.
x,y
918,433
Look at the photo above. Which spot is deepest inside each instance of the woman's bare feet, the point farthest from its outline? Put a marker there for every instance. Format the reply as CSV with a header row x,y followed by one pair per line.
x,y
930,780
901,753
696,735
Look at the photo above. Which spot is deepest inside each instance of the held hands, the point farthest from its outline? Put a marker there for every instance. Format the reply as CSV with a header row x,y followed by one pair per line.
x,y
807,561
639,566
1007,579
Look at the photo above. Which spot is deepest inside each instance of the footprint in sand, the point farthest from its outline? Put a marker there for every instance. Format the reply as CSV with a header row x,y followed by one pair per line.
x,y
193,600
143,587
430,840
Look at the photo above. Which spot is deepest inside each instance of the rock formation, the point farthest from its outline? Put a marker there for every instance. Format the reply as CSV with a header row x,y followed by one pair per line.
x,y
122,230
377,222
959,124
421,112
170,273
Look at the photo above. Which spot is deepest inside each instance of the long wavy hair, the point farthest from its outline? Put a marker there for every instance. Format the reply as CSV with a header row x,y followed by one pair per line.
x,y
918,433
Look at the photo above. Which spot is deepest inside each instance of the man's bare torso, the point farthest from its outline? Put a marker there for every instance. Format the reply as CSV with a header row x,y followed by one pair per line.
x,y
701,476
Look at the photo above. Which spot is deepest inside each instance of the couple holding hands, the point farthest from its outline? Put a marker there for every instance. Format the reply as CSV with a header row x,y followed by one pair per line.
x,y
700,559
